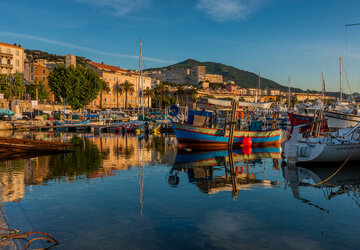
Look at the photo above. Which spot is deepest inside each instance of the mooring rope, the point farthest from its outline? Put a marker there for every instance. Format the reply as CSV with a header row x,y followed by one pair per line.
x,y
342,165
14,233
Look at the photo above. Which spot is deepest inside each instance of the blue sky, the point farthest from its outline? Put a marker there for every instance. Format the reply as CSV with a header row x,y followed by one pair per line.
x,y
279,38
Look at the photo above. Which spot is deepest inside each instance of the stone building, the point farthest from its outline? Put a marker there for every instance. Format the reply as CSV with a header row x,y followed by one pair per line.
x,y
115,76
70,60
11,58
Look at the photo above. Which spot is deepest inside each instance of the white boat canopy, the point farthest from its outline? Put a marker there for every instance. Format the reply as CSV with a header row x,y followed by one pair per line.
x,y
208,103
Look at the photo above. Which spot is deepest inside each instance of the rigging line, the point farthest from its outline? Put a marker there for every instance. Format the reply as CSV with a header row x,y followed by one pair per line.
x,y
347,80
352,24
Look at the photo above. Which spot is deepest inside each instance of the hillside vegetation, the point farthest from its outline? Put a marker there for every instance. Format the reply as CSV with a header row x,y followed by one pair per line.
x,y
38,54
242,78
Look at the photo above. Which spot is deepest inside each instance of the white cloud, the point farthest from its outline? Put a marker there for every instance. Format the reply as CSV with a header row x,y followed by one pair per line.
x,y
118,7
229,10
72,46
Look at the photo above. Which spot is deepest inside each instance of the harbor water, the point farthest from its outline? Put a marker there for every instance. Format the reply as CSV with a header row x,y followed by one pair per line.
x,y
127,191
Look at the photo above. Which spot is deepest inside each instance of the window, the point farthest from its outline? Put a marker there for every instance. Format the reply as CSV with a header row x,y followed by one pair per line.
x,y
17,62
43,71
105,100
17,52
35,67
43,78
8,61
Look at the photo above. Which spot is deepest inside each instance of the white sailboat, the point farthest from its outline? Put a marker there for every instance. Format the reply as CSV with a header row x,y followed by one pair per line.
x,y
339,146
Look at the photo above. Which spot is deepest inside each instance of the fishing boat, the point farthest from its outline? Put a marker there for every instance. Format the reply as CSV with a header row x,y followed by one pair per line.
x,y
339,146
199,133
190,136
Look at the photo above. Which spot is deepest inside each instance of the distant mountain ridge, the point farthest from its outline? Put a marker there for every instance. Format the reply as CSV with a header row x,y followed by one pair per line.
x,y
241,78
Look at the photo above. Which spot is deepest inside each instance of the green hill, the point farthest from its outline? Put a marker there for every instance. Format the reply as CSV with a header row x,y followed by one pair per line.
x,y
240,77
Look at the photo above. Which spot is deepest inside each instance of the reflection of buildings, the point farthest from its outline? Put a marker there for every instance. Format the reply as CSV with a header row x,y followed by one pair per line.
x,y
12,184
122,152
117,153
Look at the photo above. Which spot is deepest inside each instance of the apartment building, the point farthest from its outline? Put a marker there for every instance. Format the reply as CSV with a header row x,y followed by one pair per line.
x,y
38,70
213,78
11,58
115,76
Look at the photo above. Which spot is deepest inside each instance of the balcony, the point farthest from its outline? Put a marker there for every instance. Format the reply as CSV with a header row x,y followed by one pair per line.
x,y
7,55
3,65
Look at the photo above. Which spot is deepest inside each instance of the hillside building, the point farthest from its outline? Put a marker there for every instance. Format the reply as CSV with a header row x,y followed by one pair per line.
x,y
213,78
115,76
70,60
191,76
11,58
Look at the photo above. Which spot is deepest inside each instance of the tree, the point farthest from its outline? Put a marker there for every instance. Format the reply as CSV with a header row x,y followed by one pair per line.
x,y
105,87
77,86
40,88
12,85
194,94
160,90
180,92
149,93
126,87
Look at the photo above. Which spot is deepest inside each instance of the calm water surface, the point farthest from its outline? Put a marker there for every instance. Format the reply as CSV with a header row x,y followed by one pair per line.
x,y
124,192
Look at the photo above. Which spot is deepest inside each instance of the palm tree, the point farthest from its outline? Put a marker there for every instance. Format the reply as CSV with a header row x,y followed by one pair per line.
x,y
149,93
126,87
194,94
105,87
179,92
161,89
117,89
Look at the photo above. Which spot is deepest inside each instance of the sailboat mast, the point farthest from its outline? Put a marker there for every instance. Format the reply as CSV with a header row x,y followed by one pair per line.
x,y
259,91
323,89
141,86
289,93
340,85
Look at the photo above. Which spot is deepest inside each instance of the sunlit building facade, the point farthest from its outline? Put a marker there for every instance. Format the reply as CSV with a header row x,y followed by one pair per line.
x,y
11,58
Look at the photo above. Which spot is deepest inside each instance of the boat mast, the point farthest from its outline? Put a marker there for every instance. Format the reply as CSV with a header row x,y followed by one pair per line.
x,y
141,86
259,90
289,93
323,89
340,98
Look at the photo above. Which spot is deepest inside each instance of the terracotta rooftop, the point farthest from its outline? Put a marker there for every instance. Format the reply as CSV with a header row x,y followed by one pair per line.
x,y
110,68
13,46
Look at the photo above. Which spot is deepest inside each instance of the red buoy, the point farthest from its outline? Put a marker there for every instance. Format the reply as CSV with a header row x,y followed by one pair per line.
x,y
237,169
247,142
117,129
247,150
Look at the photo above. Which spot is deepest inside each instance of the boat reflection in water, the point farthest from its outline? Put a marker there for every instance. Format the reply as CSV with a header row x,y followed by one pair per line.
x,y
332,179
218,171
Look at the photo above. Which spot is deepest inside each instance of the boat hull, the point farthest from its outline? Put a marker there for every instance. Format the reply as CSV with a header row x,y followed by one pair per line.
x,y
339,120
333,153
189,136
